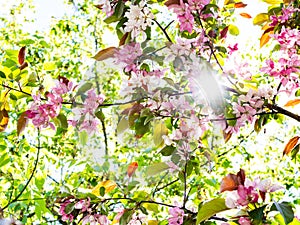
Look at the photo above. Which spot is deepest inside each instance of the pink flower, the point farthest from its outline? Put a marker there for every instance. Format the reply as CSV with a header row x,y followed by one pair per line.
x,y
233,48
244,221
83,205
186,22
267,186
128,54
246,195
177,215
95,219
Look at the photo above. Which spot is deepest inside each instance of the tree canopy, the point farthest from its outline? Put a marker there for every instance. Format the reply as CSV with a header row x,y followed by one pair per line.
x,y
176,123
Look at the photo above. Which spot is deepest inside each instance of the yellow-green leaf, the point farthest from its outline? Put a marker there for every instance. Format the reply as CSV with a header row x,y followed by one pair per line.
x,y
48,66
159,130
156,168
109,185
211,208
122,125
273,2
260,18
233,30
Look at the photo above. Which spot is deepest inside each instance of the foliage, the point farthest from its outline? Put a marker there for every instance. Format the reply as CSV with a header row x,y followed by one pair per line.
x,y
173,111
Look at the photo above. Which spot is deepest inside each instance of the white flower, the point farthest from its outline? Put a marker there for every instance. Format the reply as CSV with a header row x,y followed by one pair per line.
x,y
139,18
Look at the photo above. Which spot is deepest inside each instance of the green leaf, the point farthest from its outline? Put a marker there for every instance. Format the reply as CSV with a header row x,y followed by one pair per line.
x,y
285,210
2,75
48,66
126,217
63,121
211,208
4,159
69,208
85,87
119,9
167,151
122,125
26,42
257,214
83,137
102,191
260,18
151,207
156,168
233,30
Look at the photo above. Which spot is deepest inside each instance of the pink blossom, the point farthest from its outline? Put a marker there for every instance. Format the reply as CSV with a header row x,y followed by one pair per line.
x,y
65,216
95,219
246,195
83,205
233,48
244,221
172,167
197,5
128,54
267,186
186,22
177,215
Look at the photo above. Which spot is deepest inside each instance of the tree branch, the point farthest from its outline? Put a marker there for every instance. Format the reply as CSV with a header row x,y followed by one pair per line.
x,y
283,111
164,30
31,176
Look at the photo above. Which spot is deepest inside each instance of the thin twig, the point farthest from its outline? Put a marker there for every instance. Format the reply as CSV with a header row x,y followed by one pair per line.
x,y
31,176
163,30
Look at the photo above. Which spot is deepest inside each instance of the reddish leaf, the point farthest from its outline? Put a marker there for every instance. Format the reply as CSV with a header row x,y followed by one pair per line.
x,y
246,15
100,6
132,168
232,181
21,56
223,32
240,5
3,119
123,39
292,102
135,108
291,145
23,66
227,136
22,123
172,2
105,53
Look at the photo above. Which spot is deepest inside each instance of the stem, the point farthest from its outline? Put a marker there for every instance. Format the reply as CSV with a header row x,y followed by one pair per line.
x,y
31,176
283,111
163,30
185,184
166,185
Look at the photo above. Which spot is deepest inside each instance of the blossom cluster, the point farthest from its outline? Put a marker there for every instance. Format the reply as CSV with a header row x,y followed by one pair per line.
x,y
185,10
41,112
139,18
286,67
83,207
243,192
177,216
85,117
249,105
